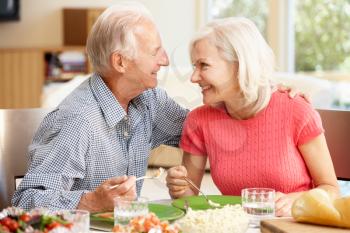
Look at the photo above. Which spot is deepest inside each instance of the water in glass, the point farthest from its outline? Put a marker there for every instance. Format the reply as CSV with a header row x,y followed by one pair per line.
x,y
126,209
259,204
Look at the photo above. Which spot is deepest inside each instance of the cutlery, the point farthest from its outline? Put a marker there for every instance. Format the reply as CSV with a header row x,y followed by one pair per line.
x,y
155,175
210,202
187,205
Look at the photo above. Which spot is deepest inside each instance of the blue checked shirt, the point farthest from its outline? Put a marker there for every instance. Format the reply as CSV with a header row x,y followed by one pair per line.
x,y
89,138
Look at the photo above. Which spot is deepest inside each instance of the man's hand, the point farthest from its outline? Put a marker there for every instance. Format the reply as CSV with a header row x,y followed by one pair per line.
x,y
292,92
102,198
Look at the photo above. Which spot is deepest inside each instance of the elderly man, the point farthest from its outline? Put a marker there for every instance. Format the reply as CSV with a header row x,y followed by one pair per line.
x,y
102,133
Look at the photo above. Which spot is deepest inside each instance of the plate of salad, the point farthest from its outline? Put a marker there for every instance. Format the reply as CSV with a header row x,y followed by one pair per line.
x,y
14,219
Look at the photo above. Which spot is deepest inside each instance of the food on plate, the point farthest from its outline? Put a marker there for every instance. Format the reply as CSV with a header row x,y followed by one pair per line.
x,y
149,223
158,173
17,220
213,204
108,215
316,206
230,218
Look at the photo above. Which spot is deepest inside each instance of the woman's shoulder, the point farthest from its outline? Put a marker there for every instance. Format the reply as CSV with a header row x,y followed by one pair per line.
x,y
296,108
297,102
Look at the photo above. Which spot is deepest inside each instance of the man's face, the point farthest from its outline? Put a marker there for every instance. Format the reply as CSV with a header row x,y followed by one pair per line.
x,y
150,57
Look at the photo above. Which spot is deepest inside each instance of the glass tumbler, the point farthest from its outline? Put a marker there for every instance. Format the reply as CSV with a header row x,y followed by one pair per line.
x,y
126,209
259,204
79,218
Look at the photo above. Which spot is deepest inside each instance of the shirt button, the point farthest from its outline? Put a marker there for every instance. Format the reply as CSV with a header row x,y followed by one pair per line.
x,y
126,134
126,118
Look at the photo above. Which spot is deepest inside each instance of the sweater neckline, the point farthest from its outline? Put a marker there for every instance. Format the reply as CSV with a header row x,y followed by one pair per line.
x,y
222,108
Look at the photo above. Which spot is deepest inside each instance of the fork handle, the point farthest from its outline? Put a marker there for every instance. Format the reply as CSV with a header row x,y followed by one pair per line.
x,y
196,187
139,178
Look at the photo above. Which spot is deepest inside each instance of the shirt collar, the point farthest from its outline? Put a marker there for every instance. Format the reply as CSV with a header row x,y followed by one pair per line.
x,y
110,106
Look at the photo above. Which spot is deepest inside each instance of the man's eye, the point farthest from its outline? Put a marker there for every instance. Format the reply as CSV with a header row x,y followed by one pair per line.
x,y
204,65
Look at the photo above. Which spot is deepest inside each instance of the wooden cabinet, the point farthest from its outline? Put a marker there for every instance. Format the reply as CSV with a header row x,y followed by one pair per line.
x,y
23,71
77,24
23,74
21,78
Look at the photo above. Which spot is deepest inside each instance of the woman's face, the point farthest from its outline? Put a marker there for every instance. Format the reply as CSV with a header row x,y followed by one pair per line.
x,y
216,76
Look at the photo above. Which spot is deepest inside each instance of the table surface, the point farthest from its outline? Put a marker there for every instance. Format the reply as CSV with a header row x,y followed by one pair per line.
x,y
168,202
250,230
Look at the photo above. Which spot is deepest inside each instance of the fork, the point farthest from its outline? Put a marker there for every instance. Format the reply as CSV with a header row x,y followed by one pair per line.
x,y
156,175
210,202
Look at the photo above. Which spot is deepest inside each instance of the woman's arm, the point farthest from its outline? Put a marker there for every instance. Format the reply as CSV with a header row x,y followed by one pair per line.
x,y
193,166
319,163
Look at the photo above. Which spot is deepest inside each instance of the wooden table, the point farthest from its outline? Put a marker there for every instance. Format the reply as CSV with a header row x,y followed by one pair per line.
x,y
289,225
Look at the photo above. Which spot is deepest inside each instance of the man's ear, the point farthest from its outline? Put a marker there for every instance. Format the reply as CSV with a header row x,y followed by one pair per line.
x,y
118,62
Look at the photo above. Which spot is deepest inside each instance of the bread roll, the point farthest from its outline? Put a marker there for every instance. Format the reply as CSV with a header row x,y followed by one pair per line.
x,y
343,206
316,206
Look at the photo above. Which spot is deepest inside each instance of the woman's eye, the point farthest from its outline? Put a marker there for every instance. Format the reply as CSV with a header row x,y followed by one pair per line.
x,y
201,65
204,65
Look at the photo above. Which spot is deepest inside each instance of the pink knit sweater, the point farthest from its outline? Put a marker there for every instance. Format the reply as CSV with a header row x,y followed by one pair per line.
x,y
258,152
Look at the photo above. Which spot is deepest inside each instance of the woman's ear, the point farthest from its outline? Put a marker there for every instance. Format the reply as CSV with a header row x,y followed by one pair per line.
x,y
118,62
235,67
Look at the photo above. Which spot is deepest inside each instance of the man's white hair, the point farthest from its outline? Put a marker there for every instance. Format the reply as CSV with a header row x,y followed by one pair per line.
x,y
239,40
114,31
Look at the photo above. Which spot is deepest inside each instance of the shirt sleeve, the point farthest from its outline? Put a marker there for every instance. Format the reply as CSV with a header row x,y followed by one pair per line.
x,y
57,160
307,122
192,140
168,120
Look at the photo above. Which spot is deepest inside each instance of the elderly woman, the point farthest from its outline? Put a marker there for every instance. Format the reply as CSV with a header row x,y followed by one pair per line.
x,y
253,136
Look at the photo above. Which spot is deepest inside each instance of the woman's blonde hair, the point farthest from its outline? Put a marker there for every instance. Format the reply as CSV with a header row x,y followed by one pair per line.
x,y
114,31
239,40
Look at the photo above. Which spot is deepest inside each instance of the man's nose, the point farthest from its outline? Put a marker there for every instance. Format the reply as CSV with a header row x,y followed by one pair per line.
x,y
164,60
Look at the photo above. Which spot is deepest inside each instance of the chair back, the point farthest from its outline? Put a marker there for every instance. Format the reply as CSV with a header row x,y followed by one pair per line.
x,y
337,131
17,127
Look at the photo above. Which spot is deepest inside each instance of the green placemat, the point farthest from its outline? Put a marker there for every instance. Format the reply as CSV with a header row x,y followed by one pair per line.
x,y
163,212
199,202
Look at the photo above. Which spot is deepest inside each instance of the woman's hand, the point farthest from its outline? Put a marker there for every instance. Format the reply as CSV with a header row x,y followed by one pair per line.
x,y
175,182
284,202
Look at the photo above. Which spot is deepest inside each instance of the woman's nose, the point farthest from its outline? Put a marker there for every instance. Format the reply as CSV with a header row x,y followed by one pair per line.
x,y
195,77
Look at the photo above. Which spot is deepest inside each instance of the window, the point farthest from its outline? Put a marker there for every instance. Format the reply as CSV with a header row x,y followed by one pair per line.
x,y
252,9
322,38
322,35
310,37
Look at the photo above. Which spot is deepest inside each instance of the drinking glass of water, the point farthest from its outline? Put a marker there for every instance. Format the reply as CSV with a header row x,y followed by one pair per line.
x,y
79,218
126,208
259,204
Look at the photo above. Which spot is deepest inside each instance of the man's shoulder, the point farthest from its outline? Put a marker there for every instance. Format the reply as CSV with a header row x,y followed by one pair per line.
x,y
80,104
152,98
